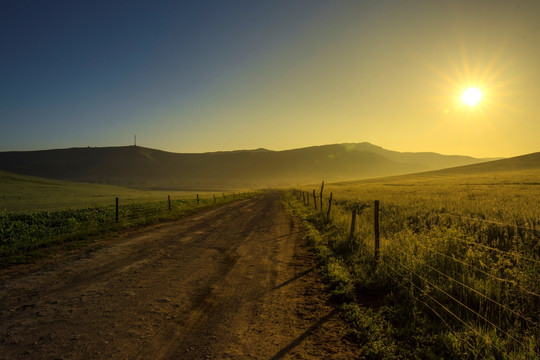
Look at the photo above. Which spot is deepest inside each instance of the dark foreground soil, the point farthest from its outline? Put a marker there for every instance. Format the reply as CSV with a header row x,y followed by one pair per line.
x,y
234,282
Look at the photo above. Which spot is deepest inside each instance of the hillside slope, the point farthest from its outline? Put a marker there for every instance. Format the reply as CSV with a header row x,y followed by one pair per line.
x,y
144,167
518,163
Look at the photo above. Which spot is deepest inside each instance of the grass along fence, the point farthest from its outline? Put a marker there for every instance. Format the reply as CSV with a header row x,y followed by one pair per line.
x,y
477,278
21,232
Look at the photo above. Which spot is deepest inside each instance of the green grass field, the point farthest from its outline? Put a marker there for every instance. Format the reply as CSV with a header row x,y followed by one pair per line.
x,y
19,193
458,273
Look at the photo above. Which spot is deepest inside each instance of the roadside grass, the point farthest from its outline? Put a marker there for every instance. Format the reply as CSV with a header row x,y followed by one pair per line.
x,y
477,229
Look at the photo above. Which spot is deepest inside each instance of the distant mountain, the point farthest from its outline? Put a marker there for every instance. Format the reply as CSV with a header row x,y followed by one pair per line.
x,y
430,159
141,167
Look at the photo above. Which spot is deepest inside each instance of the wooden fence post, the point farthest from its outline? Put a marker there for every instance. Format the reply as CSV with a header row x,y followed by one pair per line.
x,y
329,207
214,198
376,230
197,199
307,198
304,198
322,187
116,217
314,200
223,195
353,224
169,199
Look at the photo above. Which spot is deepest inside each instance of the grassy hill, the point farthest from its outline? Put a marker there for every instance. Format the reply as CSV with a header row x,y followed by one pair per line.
x,y
518,163
148,168
517,170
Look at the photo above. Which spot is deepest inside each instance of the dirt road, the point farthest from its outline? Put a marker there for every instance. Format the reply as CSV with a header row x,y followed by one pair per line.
x,y
234,282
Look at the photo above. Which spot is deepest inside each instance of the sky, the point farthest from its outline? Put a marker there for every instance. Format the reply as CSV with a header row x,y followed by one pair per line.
x,y
200,76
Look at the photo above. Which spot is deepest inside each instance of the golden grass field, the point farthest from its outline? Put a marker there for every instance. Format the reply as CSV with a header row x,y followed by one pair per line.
x,y
459,261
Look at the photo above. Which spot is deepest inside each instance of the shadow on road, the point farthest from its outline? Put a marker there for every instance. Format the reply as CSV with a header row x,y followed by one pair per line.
x,y
280,354
303,273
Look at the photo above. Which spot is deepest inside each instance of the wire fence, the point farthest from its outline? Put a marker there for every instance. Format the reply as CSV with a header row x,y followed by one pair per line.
x,y
469,282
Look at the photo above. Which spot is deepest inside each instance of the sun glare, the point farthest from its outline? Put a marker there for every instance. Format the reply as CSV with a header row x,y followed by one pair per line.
x,y
471,96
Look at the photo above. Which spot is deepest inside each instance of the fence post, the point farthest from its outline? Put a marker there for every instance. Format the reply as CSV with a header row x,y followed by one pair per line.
x,y
314,200
376,230
116,217
214,198
197,199
353,224
329,207
322,187
307,198
223,195
169,199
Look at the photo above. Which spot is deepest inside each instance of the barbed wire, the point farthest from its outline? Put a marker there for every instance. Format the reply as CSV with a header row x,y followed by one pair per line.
x,y
513,253
473,290
512,282
435,312
480,316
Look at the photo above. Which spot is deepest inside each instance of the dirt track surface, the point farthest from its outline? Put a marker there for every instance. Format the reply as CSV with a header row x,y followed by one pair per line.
x,y
234,282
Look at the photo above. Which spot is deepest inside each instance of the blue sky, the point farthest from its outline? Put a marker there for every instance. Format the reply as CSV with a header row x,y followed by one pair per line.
x,y
223,75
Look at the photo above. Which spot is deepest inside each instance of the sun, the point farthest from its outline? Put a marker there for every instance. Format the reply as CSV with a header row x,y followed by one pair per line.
x,y
471,96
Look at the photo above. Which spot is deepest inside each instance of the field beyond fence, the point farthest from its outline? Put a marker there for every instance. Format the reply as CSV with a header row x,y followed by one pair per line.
x,y
469,262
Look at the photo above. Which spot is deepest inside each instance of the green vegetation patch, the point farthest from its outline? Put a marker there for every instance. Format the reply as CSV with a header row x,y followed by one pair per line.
x,y
23,233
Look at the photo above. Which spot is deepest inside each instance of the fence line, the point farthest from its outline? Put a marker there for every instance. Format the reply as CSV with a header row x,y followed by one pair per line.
x,y
530,323
362,205
28,231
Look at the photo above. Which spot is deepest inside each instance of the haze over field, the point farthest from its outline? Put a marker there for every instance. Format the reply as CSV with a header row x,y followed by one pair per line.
x,y
452,77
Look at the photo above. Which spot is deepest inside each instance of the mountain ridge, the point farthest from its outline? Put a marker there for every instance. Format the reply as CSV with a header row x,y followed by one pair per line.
x,y
143,167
